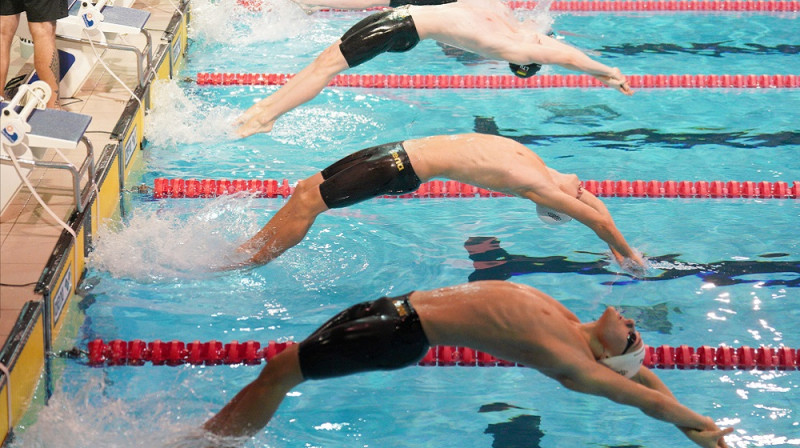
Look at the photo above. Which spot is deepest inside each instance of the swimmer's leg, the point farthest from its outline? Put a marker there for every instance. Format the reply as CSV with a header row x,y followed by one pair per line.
x,y
253,407
289,225
310,6
301,88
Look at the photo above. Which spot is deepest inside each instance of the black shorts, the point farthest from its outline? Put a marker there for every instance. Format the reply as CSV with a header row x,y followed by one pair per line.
x,y
392,30
384,334
37,10
371,172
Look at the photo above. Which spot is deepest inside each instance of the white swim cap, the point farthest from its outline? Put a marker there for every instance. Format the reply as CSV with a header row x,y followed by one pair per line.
x,y
550,216
626,365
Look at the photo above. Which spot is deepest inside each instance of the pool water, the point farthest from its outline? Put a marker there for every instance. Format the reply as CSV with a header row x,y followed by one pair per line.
x,y
723,271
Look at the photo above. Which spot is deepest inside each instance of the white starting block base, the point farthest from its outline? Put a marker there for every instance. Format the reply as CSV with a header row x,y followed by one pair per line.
x,y
49,129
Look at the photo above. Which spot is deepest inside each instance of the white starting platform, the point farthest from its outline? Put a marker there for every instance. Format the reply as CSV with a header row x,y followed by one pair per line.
x,y
26,133
85,34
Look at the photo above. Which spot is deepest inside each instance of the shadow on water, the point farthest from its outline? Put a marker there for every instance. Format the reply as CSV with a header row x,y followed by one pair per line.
x,y
492,262
712,49
594,115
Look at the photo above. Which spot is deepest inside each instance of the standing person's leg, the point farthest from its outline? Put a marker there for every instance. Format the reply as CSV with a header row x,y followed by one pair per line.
x,y
8,26
45,56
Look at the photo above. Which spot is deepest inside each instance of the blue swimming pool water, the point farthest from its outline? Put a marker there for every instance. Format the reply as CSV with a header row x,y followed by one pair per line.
x,y
150,276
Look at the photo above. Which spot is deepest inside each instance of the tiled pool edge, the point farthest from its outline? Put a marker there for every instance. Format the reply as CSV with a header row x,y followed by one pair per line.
x,y
28,350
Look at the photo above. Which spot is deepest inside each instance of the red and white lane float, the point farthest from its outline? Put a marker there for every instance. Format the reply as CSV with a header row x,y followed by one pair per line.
x,y
580,81
173,353
614,6
717,189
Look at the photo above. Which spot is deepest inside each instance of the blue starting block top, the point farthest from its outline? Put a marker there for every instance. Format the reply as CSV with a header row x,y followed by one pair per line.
x,y
55,128
117,15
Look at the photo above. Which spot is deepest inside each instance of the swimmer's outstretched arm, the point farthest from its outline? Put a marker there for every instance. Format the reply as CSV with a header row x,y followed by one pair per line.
x,y
591,212
713,437
647,393
551,51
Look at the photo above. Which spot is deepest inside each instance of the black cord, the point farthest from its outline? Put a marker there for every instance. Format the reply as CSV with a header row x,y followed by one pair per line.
x,y
20,285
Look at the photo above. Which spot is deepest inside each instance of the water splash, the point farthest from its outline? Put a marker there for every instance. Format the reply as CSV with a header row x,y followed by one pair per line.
x,y
167,243
234,24
93,418
177,118
539,18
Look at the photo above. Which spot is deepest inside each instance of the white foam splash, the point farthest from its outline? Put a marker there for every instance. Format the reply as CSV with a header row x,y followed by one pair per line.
x,y
231,23
177,118
539,18
163,244
90,418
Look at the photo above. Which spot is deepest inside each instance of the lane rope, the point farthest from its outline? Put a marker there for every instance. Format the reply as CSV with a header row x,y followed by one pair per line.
x,y
381,81
173,353
613,6
164,188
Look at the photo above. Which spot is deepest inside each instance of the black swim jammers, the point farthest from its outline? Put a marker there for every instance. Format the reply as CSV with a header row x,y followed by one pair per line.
x,y
392,30
383,334
371,172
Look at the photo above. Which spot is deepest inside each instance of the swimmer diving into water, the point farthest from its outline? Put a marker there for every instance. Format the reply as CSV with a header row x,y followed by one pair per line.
x,y
485,27
489,161
512,322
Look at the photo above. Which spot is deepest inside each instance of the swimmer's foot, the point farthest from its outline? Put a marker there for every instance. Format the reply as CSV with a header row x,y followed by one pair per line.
x,y
254,126
307,8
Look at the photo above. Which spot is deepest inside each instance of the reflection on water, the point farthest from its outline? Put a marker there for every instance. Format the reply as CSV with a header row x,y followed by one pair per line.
x,y
492,262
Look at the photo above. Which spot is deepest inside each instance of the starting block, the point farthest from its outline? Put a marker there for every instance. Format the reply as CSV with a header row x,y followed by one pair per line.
x,y
26,132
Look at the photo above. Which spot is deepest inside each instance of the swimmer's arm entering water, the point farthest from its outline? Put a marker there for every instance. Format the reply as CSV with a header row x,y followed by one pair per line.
x,y
592,213
713,437
646,392
551,51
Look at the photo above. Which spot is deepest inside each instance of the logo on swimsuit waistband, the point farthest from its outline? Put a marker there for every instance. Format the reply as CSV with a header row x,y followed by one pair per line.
x,y
401,308
397,161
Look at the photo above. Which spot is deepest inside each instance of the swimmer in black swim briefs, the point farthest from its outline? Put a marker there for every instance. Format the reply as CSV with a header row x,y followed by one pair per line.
x,y
485,27
488,161
513,322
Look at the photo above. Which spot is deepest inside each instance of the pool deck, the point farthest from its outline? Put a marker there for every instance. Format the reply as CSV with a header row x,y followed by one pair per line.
x,y
28,235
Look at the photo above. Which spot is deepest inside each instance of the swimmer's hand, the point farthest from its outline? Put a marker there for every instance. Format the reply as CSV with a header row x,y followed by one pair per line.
x,y
616,80
709,438
633,264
